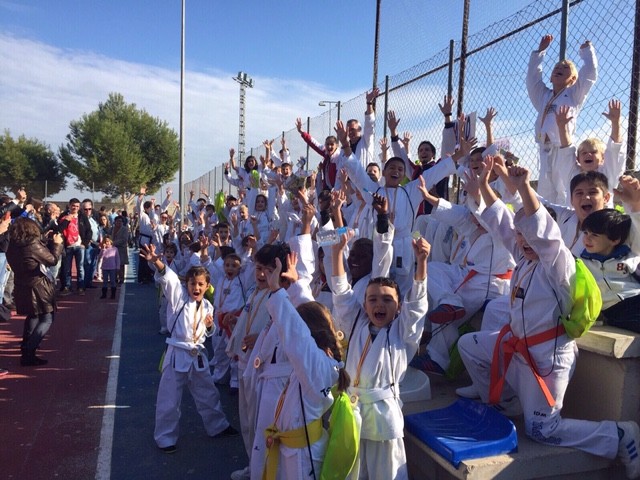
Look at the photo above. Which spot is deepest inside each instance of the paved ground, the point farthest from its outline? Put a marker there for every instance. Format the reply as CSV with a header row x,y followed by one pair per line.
x,y
89,413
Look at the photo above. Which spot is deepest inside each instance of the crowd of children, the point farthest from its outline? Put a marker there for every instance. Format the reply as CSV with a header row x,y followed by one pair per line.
x,y
293,325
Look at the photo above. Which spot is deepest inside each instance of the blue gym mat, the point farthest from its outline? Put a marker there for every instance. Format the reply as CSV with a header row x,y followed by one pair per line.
x,y
464,430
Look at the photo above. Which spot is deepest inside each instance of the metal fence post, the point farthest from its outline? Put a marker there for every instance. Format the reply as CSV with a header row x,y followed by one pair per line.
x,y
450,74
632,132
386,103
463,55
564,29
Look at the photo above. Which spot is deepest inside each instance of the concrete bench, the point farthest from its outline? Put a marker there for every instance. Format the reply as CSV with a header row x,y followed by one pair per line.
x,y
606,382
605,386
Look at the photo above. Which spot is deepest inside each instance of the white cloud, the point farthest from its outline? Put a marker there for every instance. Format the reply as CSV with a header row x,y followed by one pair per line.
x,y
43,88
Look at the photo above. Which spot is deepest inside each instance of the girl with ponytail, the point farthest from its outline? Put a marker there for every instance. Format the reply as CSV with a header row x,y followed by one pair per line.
x,y
296,440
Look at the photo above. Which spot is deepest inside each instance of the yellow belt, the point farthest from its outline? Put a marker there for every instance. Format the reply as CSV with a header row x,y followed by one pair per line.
x,y
292,439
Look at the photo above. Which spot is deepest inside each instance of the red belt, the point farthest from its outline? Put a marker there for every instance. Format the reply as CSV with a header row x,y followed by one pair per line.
x,y
472,273
509,347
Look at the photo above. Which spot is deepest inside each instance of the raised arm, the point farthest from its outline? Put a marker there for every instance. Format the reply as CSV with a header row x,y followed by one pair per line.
x,y
563,120
613,115
520,177
487,120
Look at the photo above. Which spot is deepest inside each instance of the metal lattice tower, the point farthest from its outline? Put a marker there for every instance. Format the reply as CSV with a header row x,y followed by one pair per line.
x,y
245,81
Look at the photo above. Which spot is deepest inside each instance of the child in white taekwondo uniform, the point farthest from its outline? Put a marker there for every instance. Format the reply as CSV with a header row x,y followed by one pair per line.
x,y
458,290
403,200
185,361
251,322
589,192
591,154
296,440
269,367
568,88
532,357
381,340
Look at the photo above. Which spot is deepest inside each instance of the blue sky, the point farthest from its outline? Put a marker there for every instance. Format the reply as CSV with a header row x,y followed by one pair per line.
x,y
61,58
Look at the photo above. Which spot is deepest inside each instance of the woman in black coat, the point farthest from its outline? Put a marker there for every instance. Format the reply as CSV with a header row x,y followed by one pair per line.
x,y
34,291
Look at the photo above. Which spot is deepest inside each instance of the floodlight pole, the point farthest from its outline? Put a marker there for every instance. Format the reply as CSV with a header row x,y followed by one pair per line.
x,y
181,171
330,104
245,81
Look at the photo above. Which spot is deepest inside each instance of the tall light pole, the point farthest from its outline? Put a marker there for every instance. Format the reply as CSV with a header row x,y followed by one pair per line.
x,y
181,171
330,103
245,81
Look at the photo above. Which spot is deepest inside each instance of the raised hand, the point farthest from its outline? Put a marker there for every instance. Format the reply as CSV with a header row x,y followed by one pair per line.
x,y
338,198
422,186
563,116
299,124
380,204
341,133
615,108
392,122
466,145
545,42
519,176
421,249
406,141
586,44
447,105
148,252
489,116
372,95
628,191
489,163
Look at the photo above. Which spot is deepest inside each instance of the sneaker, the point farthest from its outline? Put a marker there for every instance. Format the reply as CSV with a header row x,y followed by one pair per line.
x,y
446,313
81,291
64,292
426,364
3,372
509,408
628,448
227,432
243,474
169,449
469,391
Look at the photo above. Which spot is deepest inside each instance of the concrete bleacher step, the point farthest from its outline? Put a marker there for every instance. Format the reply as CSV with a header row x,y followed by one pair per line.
x,y
532,461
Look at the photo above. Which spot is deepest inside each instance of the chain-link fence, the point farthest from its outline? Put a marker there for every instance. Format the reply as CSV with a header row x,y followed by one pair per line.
x,y
494,75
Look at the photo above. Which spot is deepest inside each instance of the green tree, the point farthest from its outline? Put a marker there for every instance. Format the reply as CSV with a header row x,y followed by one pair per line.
x,y
29,163
118,147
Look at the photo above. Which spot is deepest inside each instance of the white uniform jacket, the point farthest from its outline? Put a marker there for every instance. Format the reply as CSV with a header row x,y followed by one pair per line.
x,y
573,96
540,289
185,321
379,406
313,375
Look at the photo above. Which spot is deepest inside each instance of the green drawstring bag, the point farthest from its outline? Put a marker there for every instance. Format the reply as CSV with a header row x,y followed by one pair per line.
x,y
344,440
208,294
456,365
255,179
219,204
587,302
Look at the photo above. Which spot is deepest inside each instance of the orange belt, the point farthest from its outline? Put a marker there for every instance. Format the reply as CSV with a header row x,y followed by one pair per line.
x,y
472,273
509,347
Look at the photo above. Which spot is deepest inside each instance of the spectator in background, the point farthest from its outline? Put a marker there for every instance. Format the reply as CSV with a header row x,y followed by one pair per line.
x,y
92,246
120,236
76,230
35,292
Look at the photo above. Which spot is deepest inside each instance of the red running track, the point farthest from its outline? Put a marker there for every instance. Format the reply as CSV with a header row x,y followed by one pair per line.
x,y
51,416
